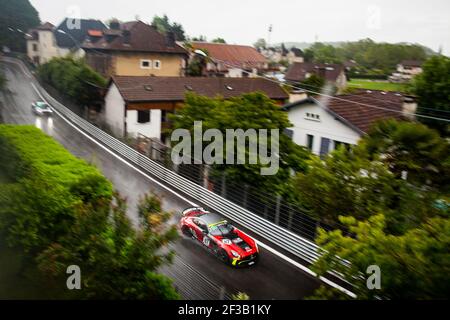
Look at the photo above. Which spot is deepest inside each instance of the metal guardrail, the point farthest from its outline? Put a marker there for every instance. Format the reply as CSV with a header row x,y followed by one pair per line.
x,y
279,236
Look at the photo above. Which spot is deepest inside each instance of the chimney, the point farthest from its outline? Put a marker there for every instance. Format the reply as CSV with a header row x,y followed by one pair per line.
x,y
170,39
126,36
409,107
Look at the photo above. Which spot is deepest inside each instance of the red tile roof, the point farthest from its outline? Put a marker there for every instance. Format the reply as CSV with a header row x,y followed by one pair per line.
x,y
366,107
236,55
298,71
157,89
141,37
95,33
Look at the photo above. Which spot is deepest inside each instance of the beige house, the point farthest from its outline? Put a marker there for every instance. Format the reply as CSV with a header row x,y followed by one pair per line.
x,y
134,49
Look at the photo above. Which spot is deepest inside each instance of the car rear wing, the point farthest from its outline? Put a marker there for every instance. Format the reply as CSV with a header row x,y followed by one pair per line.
x,y
187,211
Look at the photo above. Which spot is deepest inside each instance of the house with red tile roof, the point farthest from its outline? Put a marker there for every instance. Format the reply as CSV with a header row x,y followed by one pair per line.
x,y
322,124
330,72
140,105
227,60
134,49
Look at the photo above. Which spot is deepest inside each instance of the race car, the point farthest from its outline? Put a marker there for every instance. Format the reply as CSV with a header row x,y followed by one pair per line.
x,y
228,243
41,108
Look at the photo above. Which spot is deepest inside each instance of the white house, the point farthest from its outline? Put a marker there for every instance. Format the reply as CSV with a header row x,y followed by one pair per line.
x,y
47,41
406,70
139,105
322,126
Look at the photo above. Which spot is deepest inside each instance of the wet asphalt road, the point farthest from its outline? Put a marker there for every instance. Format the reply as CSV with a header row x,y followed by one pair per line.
x,y
196,272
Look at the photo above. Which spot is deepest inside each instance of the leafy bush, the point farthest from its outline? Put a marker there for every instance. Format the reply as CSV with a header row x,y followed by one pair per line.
x,y
45,183
73,78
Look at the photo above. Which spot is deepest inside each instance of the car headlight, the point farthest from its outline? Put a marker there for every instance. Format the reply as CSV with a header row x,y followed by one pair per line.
x,y
235,254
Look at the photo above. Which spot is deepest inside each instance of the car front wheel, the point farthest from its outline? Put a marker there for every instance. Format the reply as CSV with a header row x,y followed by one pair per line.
x,y
223,256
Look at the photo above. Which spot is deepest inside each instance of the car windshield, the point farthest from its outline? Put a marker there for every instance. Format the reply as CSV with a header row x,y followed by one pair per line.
x,y
221,229
42,105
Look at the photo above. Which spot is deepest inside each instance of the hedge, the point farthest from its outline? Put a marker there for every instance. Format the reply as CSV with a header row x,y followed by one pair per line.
x,y
42,184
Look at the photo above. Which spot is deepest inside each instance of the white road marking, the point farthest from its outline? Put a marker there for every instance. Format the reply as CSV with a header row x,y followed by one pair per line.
x,y
263,245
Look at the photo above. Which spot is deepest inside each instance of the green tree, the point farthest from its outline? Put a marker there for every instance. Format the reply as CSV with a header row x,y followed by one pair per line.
x,y
412,149
199,38
73,78
164,25
249,111
369,178
432,88
260,44
414,265
219,40
18,14
314,83
116,260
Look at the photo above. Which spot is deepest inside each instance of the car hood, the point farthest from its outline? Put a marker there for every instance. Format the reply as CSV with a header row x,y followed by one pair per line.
x,y
238,242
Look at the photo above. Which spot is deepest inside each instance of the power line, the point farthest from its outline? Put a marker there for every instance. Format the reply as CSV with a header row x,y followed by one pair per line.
x,y
334,97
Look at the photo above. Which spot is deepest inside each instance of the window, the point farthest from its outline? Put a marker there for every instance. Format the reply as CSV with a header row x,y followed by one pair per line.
x,y
35,47
310,141
312,116
324,146
157,64
146,64
143,116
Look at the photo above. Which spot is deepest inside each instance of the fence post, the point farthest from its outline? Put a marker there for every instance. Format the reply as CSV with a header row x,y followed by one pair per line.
x,y
277,210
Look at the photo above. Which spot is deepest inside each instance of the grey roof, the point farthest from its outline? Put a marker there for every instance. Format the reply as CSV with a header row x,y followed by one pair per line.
x,y
79,34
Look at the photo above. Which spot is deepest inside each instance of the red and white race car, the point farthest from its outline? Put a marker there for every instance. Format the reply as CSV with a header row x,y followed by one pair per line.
x,y
228,243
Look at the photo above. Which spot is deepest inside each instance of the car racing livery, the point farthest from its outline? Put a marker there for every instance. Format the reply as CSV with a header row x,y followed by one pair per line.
x,y
228,243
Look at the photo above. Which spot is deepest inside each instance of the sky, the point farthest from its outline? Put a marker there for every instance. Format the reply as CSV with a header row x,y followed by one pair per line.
x,y
244,21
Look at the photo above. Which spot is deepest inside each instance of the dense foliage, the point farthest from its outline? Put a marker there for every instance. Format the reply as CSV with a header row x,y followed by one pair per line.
x,y
399,169
17,14
249,111
432,88
371,57
73,78
389,198
117,261
61,211
46,182
163,25
414,265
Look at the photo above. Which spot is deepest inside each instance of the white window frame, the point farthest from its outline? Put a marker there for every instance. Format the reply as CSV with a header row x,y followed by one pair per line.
x,y
157,62
149,64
